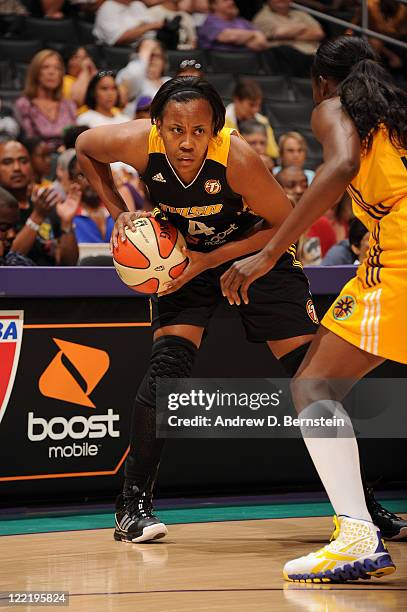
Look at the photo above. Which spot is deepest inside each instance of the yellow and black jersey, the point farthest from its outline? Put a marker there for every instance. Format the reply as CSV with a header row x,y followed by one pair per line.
x,y
206,211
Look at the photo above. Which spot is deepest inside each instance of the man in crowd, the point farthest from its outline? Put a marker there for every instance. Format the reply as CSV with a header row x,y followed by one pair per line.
x,y
224,30
123,22
293,36
9,219
45,230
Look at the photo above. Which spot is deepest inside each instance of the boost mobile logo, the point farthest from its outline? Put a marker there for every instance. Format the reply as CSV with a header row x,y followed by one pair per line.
x,y
57,382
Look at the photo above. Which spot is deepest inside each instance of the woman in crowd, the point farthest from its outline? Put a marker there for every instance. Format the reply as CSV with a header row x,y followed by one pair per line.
x,y
102,99
79,71
144,74
41,110
293,152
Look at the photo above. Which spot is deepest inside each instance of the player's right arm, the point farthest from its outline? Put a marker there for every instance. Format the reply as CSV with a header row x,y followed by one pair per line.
x,y
98,148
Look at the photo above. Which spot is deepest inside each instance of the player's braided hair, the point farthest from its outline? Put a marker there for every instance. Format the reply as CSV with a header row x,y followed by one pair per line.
x,y
365,88
185,89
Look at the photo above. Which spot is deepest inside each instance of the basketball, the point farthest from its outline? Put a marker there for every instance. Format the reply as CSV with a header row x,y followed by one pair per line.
x,y
151,256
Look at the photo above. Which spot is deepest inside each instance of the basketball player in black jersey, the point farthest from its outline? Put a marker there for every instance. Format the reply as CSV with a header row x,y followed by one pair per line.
x,y
212,186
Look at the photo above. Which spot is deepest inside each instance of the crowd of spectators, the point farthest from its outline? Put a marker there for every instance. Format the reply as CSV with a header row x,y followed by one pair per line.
x,y
47,207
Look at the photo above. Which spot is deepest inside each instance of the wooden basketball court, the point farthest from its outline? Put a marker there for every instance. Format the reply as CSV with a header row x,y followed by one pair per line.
x,y
224,566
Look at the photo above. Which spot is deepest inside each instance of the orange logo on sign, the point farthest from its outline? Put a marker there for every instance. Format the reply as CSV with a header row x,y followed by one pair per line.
x,y
57,382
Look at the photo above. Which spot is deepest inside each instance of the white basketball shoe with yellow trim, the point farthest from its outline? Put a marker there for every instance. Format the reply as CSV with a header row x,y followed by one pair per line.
x,y
358,552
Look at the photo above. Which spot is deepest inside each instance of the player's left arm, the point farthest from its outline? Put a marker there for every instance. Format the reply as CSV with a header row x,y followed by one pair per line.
x,y
247,176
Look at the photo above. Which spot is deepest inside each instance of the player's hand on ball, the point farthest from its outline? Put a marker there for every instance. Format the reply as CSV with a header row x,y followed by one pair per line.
x,y
240,276
126,219
198,262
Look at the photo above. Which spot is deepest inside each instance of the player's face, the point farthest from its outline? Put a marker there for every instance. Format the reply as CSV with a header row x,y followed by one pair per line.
x,y
15,166
293,153
257,141
186,129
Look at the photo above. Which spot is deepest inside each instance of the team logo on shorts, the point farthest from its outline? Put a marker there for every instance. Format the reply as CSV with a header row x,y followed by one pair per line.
x,y
344,307
213,186
311,311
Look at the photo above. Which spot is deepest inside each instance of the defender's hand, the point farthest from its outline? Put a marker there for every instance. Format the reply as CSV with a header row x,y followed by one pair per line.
x,y
240,276
198,262
125,219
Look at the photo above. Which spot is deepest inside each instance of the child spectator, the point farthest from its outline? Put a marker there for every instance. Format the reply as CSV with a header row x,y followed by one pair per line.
x,y
247,100
42,111
40,158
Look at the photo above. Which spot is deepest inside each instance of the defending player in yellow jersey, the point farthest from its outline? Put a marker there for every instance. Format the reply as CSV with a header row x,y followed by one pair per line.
x,y
360,119
371,308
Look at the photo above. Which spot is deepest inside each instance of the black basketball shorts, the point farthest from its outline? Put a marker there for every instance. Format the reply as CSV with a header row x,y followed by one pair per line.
x,y
280,303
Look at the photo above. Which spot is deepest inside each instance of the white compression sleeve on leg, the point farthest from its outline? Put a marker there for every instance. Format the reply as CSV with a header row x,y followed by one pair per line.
x,y
336,458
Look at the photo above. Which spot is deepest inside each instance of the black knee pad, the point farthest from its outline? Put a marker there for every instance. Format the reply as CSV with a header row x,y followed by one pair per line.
x,y
171,357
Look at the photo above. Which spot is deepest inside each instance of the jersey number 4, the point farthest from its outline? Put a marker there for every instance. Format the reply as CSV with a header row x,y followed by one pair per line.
x,y
196,227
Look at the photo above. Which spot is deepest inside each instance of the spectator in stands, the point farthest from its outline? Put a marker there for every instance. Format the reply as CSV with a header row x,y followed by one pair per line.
x,y
92,221
102,99
198,9
42,111
247,100
387,17
9,128
293,152
143,107
124,22
62,183
351,251
293,36
79,71
168,9
294,182
45,231
255,134
40,158
9,219
340,217
143,75
224,30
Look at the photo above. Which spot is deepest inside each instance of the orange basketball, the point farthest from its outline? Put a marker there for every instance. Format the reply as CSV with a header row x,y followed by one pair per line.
x,y
151,256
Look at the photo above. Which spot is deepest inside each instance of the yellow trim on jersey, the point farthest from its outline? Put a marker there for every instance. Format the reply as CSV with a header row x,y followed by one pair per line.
x,y
218,148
